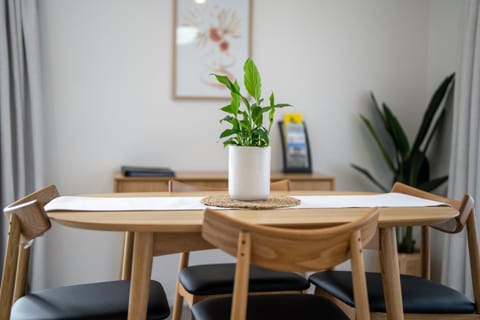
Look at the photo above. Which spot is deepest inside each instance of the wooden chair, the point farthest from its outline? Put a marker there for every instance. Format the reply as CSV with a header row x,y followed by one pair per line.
x,y
290,250
422,298
200,282
101,300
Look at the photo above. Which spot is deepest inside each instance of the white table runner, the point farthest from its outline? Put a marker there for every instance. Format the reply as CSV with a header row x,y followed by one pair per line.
x,y
75,203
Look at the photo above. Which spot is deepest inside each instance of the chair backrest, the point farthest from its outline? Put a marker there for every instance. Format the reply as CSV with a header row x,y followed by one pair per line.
x,y
178,186
464,206
466,217
28,220
286,249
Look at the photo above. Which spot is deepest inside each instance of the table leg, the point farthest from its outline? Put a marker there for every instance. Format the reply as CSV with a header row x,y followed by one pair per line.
x,y
390,274
141,272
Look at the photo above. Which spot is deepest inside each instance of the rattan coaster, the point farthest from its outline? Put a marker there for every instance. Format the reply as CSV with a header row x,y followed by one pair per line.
x,y
224,201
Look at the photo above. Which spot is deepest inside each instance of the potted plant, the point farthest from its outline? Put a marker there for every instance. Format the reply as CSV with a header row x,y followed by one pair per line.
x,y
247,138
409,164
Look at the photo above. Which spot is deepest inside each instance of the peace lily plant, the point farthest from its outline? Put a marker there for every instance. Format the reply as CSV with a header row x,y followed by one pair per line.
x,y
247,127
248,138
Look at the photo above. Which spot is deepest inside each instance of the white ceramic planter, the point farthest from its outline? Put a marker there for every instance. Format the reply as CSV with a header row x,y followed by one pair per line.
x,y
248,172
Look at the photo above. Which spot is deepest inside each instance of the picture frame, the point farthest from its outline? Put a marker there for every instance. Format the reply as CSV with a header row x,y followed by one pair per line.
x,y
295,148
210,36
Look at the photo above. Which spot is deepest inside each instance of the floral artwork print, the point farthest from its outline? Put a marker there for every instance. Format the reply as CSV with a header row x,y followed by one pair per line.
x,y
212,37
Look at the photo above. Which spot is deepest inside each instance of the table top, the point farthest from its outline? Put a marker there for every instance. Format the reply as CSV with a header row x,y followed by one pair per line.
x,y
191,220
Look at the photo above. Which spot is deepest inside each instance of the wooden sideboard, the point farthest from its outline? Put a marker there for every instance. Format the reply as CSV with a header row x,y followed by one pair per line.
x,y
298,181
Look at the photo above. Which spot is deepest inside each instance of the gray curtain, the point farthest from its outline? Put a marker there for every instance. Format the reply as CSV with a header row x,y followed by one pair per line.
x,y
20,103
464,169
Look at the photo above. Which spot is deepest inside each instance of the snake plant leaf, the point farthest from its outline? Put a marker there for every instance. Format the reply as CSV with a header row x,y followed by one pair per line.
x,y
434,105
251,79
433,130
434,183
367,174
375,136
418,169
376,106
396,132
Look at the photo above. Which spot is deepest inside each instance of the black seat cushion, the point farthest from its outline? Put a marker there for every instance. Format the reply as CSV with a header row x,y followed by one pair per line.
x,y
212,279
419,295
102,300
272,306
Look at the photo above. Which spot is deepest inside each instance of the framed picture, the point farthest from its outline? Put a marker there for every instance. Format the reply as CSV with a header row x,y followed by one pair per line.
x,y
210,36
295,147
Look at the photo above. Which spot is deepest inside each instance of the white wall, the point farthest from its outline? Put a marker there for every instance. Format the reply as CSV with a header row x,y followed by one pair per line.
x,y
107,81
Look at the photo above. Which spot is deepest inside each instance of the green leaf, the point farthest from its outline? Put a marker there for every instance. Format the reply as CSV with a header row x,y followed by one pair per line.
x,y
225,81
227,119
229,109
374,134
227,133
260,137
231,141
396,131
376,106
233,121
245,122
282,105
418,169
251,79
370,177
246,115
433,184
257,115
434,106
266,109
433,130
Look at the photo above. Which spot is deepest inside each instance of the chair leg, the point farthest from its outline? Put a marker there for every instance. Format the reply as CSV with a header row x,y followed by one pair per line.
x,y
22,273
474,258
9,269
178,303
126,271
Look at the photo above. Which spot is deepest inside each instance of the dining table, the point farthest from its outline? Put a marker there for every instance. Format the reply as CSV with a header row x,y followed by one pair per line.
x,y
164,231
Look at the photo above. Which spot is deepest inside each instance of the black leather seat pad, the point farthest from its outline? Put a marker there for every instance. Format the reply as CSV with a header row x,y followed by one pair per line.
x,y
274,306
218,279
102,300
419,295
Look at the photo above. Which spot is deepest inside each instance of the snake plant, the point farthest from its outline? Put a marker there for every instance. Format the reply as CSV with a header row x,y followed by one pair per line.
x,y
407,162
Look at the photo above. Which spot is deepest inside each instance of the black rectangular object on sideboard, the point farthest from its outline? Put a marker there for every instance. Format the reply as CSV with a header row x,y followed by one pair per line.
x,y
137,171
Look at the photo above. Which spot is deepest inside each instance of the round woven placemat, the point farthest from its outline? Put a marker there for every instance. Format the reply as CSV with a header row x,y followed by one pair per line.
x,y
224,201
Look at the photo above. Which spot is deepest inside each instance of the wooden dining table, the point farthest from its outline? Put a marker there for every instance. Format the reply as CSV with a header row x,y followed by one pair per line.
x,y
170,231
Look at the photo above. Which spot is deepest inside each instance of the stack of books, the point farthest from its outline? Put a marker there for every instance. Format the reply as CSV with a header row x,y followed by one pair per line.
x,y
135,171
